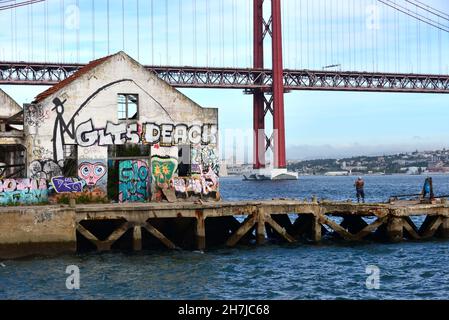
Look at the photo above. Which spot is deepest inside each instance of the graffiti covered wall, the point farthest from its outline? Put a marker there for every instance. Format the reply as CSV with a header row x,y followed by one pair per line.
x,y
23,191
83,116
133,181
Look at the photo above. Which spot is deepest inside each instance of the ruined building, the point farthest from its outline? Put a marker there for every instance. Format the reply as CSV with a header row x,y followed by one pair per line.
x,y
113,130
12,152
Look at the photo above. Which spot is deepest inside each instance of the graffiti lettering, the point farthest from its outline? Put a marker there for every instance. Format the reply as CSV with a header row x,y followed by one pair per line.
x,y
66,185
134,177
35,115
23,191
203,184
44,169
149,133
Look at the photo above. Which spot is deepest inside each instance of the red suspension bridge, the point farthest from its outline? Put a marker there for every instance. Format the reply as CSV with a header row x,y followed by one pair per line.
x,y
409,18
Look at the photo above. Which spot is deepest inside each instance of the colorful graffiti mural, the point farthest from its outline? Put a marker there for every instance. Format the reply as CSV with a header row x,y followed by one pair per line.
x,y
163,169
92,173
209,181
148,133
210,159
133,181
203,184
23,191
67,185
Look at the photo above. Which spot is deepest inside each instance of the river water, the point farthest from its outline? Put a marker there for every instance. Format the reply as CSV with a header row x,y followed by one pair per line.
x,y
409,270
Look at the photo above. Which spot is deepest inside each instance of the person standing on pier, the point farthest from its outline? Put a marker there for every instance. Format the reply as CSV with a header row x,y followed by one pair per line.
x,y
428,189
360,189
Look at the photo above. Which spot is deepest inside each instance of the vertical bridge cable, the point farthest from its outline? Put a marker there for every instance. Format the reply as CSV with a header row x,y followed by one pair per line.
x,y
296,34
354,38
62,30
15,30
28,33
167,58
123,25
308,35
11,36
313,29
93,30
429,48
440,70
194,34
32,31
152,30
180,33
234,33
349,37
78,19
207,34
45,32
373,30
247,36
108,26
300,34
332,31
418,45
138,30
222,32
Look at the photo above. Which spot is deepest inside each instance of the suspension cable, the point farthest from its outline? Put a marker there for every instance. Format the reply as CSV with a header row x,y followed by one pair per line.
x,y
93,30
108,18
138,29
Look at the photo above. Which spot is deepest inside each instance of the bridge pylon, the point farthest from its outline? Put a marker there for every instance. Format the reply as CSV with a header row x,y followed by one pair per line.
x,y
269,101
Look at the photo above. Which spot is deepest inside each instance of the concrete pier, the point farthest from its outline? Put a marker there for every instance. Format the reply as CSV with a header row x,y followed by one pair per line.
x,y
198,226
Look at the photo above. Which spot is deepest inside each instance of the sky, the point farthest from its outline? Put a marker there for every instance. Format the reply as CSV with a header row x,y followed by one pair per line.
x,y
362,35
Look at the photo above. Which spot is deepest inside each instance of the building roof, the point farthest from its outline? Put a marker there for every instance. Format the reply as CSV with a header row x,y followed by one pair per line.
x,y
91,65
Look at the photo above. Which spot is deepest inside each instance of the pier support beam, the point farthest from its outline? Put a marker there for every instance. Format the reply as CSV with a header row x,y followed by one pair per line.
x,y
316,229
137,238
157,234
430,226
200,231
260,230
244,229
395,228
443,231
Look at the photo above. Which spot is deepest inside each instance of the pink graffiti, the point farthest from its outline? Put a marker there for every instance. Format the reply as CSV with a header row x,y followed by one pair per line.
x,y
91,172
10,185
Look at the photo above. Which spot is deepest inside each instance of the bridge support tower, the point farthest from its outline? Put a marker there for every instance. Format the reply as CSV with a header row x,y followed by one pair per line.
x,y
269,102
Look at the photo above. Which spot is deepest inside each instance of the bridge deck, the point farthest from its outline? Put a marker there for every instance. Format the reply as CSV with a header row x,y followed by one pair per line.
x,y
33,73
